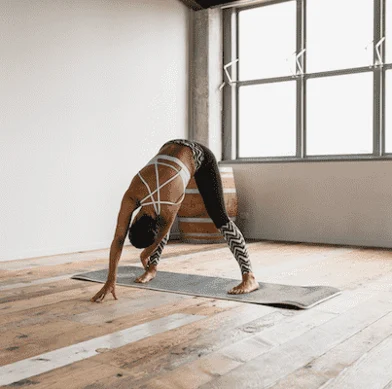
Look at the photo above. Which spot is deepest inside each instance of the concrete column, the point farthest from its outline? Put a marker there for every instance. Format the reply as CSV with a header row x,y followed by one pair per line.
x,y
206,72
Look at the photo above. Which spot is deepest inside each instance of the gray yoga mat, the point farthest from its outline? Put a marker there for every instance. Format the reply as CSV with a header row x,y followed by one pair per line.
x,y
286,296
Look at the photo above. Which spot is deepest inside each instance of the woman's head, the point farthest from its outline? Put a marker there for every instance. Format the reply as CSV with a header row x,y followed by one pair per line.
x,y
143,232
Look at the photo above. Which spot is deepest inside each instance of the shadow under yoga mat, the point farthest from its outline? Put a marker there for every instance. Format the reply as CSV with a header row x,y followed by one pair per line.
x,y
288,296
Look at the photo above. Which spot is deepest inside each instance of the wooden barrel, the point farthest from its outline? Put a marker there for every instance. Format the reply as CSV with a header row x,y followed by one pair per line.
x,y
193,221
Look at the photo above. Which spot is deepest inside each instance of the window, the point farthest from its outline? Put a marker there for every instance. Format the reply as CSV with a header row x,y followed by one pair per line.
x,y
340,115
388,79
309,83
338,32
388,32
264,46
388,112
264,131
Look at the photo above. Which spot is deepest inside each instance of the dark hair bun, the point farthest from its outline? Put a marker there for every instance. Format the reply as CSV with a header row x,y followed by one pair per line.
x,y
143,232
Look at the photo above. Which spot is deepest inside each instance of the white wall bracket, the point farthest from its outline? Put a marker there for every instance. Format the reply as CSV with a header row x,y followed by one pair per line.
x,y
229,79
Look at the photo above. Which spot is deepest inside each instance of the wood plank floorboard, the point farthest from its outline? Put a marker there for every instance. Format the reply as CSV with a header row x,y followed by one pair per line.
x,y
342,343
373,369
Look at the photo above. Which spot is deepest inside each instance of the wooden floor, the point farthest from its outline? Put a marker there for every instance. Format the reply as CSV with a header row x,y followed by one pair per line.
x,y
343,343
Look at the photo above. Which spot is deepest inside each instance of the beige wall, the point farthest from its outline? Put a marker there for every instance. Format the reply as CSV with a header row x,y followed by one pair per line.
x,y
89,90
323,202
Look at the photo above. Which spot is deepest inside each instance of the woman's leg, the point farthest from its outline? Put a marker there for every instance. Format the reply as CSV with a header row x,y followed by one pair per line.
x,y
156,255
209,183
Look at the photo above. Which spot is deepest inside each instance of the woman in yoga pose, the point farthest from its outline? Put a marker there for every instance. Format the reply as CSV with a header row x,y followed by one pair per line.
x,y
151,203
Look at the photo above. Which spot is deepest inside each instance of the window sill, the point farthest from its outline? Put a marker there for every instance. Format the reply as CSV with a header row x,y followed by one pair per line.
x,y
354,158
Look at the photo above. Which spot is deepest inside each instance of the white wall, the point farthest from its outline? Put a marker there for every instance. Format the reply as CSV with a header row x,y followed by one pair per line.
x,y
324,202
89,90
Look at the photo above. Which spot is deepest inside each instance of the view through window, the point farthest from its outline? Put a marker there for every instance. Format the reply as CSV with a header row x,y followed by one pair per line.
x,y
319,96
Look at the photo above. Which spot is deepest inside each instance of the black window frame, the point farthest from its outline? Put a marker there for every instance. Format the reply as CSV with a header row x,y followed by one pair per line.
x,y
230,131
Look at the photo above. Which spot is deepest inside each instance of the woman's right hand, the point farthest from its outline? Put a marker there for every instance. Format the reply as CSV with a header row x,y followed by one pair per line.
x,y
109,287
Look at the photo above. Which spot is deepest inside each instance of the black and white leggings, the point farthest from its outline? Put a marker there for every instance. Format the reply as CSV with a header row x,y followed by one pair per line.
x,y
209,183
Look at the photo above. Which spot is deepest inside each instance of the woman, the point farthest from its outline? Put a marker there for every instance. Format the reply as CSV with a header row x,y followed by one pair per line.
x,y
152,201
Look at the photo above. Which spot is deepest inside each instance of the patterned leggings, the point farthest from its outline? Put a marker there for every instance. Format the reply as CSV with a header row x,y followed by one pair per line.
x,y
209,183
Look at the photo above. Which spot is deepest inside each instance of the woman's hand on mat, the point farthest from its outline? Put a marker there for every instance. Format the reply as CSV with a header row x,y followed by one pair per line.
x,y
109,287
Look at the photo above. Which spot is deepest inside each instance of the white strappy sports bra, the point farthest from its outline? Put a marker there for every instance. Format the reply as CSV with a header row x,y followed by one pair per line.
x,y
183,173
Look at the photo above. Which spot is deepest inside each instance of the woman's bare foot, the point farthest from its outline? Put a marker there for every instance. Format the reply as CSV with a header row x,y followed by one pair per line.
x,y
147,276
248,284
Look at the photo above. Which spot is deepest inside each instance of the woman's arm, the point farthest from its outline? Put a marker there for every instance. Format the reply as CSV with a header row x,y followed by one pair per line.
x,y
128,205
167,221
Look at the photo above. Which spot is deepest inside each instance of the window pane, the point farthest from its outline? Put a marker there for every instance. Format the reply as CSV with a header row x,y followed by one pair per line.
x,y
340,115
388,112
267,38
388,32
267,120
337,33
